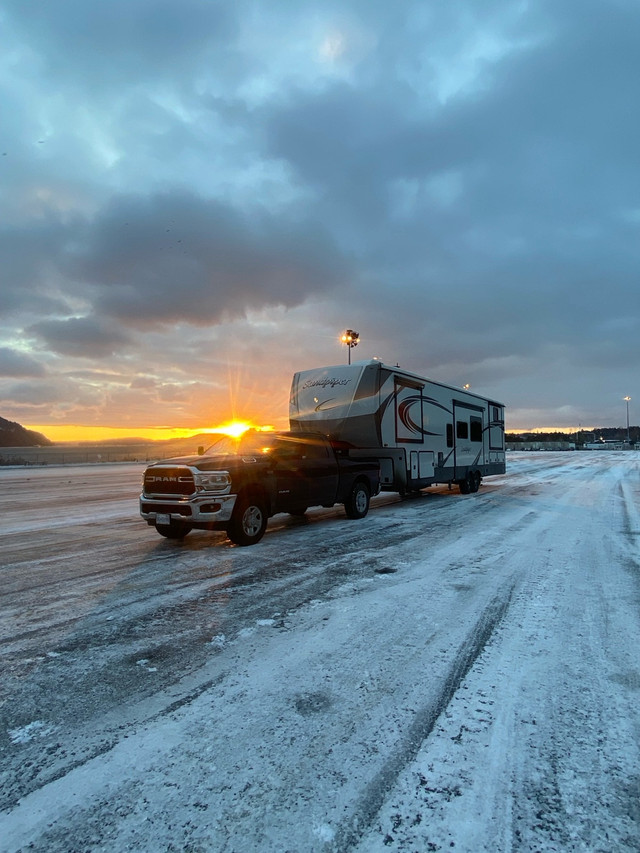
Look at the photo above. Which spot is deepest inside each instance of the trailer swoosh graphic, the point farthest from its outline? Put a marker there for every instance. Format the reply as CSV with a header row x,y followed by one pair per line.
x,y
322,407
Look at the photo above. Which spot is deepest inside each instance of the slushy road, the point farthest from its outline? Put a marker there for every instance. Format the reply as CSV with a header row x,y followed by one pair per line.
x,y
451,672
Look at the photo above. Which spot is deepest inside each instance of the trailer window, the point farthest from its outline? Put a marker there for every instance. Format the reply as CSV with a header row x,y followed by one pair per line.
x,y
449,435
368,385
475,430
462,429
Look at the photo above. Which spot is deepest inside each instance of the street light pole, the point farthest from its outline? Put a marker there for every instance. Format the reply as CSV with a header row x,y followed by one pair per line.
x,y
626,399
351,339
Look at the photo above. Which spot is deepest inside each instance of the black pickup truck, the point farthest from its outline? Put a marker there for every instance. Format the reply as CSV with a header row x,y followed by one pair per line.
x,y
237,484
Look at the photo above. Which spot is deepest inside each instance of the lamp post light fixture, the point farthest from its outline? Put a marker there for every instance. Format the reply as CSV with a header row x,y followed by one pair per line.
x,y
626,399
351,339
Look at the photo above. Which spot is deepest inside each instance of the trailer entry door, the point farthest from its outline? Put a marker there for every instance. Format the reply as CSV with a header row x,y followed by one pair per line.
x,y
468,430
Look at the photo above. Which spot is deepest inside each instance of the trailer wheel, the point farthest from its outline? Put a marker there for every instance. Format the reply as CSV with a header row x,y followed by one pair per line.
x,y
357,504
248,522
465,485
471,483
175,530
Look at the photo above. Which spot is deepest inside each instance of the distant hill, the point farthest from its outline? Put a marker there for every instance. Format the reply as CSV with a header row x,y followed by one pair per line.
x,y
205,438
14,435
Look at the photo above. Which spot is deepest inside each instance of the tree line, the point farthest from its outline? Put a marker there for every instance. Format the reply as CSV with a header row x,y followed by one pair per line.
x,y
580,436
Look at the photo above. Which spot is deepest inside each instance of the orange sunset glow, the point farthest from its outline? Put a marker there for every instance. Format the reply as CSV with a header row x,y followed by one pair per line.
x,y
77,432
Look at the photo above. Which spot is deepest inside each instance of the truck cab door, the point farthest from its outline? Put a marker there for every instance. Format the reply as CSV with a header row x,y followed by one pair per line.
x,y
321,472
306,474
291,486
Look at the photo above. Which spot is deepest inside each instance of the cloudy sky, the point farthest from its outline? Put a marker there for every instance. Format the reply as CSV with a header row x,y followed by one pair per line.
x,y
198,196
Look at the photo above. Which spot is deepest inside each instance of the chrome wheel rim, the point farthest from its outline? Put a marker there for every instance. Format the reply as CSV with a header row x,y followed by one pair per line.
x,y
361,500
252,520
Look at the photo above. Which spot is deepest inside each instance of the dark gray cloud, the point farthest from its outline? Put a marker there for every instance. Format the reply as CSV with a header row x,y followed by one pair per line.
x,y
460,180
177,257
149,39
35,393
81,337
18,364
29,258
510,199
167,258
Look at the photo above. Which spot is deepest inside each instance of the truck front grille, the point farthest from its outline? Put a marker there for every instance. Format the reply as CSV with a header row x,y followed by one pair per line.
x,y
168,481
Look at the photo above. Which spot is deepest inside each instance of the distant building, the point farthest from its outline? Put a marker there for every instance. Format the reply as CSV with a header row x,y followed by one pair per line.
x,y
608,445
541,445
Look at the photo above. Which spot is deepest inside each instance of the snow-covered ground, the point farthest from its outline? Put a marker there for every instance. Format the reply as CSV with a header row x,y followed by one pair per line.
x,y
451,673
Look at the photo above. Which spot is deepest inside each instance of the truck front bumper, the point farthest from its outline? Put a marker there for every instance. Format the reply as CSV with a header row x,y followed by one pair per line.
x,y
207,512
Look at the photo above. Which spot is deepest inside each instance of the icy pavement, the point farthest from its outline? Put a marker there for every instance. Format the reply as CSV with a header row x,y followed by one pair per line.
x,y
452,672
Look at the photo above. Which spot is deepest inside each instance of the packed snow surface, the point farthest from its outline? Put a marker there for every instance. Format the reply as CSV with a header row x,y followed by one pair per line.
x,y
454,672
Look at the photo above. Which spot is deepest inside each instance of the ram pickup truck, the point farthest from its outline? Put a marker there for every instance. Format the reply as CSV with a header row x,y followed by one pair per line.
x,y
237,484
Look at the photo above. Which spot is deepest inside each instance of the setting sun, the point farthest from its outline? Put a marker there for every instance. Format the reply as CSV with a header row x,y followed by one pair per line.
x,y
234,428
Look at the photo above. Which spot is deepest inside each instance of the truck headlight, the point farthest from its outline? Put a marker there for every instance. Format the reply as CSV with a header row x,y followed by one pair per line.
x,y
212,481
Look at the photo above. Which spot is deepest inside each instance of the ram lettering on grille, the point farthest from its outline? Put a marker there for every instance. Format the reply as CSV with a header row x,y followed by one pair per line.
x,y
169,482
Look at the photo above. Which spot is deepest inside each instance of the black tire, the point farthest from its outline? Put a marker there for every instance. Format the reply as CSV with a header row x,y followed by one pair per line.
x,y
175,530
465,485
248,522
357,504
476,479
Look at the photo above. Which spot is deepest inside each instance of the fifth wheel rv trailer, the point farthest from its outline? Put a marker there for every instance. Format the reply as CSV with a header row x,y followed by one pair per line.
x,y
422,432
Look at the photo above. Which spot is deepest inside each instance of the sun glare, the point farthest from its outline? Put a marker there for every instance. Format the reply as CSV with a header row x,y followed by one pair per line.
x,y
237,428
233,428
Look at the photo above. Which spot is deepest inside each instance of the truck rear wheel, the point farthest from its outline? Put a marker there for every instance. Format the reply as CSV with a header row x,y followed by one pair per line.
x,y
357,504
175,530
249,521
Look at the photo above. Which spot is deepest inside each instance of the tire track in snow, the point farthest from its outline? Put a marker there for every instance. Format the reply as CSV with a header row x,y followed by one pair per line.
x,y
554,765
631,514
375,793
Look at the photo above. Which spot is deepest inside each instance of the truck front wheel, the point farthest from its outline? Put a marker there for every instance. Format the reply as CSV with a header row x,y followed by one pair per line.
x,y
248,523
175,530
357,504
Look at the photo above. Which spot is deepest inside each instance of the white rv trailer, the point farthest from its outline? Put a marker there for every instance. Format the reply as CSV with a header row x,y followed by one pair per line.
x,y
422,432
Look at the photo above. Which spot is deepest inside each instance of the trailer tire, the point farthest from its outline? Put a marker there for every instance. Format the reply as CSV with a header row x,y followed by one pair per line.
x,y
476,479
175,530
465,485
248,522
357,504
